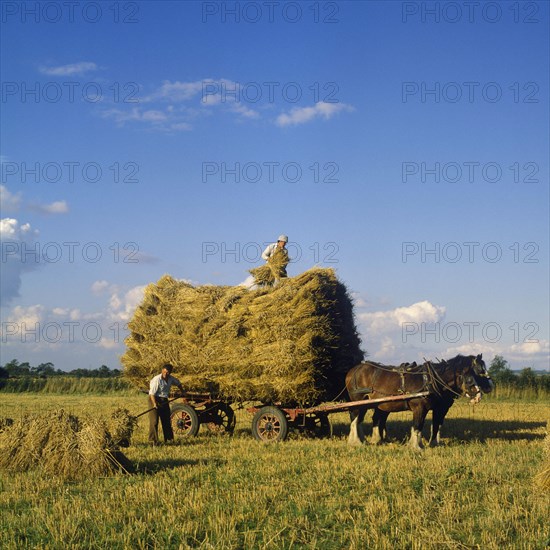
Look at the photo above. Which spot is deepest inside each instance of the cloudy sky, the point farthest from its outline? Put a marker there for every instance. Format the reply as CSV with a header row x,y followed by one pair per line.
x,y
405,144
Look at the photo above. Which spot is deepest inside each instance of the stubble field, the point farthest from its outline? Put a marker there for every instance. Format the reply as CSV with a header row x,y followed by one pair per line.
x,y
231,492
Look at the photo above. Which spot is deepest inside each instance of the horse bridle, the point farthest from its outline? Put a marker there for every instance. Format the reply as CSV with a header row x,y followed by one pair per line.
x,y
460,381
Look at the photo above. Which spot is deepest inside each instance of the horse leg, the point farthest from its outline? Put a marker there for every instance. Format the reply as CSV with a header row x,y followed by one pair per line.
x,y
356,435
382,426
419,416
378,426
438,416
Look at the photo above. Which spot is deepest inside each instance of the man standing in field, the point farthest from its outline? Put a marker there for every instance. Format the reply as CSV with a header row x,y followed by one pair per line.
x,y
159,390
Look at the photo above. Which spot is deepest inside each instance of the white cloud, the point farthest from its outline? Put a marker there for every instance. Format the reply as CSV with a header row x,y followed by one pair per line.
x,y
115,302
122,304
75,315
181,126
98,287
301,115
153,116
531,348
10,201
132,298
70,332
136,114
244,111
180,102
422,331
175,103
473,348
176,91
529,354
10,229
385,321
14,201
16,240
57,207
80,68
29,316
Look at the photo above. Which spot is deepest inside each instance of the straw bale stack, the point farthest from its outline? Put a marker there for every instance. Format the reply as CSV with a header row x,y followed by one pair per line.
x,y
292,343
60,444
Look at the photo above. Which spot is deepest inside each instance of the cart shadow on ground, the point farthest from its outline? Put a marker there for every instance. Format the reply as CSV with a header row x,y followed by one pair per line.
x,y
461,429
155,465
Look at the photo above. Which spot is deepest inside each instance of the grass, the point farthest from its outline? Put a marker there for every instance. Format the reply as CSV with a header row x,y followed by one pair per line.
x,y
221,492
66,384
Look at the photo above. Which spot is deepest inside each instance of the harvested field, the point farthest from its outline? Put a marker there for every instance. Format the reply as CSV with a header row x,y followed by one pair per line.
x,y
475,491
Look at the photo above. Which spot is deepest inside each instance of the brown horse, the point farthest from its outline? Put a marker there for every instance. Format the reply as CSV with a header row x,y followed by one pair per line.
x,y
445,381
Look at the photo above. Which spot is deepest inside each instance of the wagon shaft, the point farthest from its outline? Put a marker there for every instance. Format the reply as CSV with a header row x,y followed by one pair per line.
x,y
368,403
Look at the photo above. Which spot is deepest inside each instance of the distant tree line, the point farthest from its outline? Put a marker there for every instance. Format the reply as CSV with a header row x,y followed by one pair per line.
x,y
503,375
499,370
15,369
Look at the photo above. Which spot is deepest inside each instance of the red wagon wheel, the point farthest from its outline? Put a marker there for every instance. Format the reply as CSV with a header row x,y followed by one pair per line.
x,y
270,424
185,421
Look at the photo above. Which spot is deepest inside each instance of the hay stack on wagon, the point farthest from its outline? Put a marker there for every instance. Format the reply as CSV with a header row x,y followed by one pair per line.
x,y
61,444
293,342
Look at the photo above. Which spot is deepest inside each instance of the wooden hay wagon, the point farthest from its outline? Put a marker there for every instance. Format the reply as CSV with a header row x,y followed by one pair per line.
x,y
271,422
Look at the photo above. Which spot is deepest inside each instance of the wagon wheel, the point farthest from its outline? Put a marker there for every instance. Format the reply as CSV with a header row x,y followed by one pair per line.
x,y
270,424
317,425
223,420
185,421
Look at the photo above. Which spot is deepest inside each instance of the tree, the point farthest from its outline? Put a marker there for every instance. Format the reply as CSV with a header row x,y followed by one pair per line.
x,y
45,369
498,366
104,371
15,368
500,372
527,378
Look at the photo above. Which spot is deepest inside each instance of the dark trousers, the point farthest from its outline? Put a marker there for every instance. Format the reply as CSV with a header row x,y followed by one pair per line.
x,y
162,412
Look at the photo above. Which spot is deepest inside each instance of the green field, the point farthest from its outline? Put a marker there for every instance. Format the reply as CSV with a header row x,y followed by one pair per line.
x,y
475,491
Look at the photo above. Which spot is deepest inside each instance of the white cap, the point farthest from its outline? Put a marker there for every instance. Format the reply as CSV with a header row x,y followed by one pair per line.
x,y
283,238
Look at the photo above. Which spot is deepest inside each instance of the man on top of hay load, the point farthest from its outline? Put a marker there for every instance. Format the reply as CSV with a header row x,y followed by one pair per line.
x,y
159,390
276,255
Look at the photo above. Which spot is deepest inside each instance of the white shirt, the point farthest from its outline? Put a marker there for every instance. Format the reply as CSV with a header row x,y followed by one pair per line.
x,y
269,251
160,387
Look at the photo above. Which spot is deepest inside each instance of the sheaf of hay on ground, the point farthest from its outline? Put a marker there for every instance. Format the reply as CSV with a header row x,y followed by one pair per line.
x,y
61,444
292,342
542,479
121,427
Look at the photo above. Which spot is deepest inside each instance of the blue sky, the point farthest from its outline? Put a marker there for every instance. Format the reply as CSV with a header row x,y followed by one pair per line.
x,y
405,147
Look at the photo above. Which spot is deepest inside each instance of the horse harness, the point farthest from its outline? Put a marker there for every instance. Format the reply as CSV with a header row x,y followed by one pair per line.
x,y
401,370
432,381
